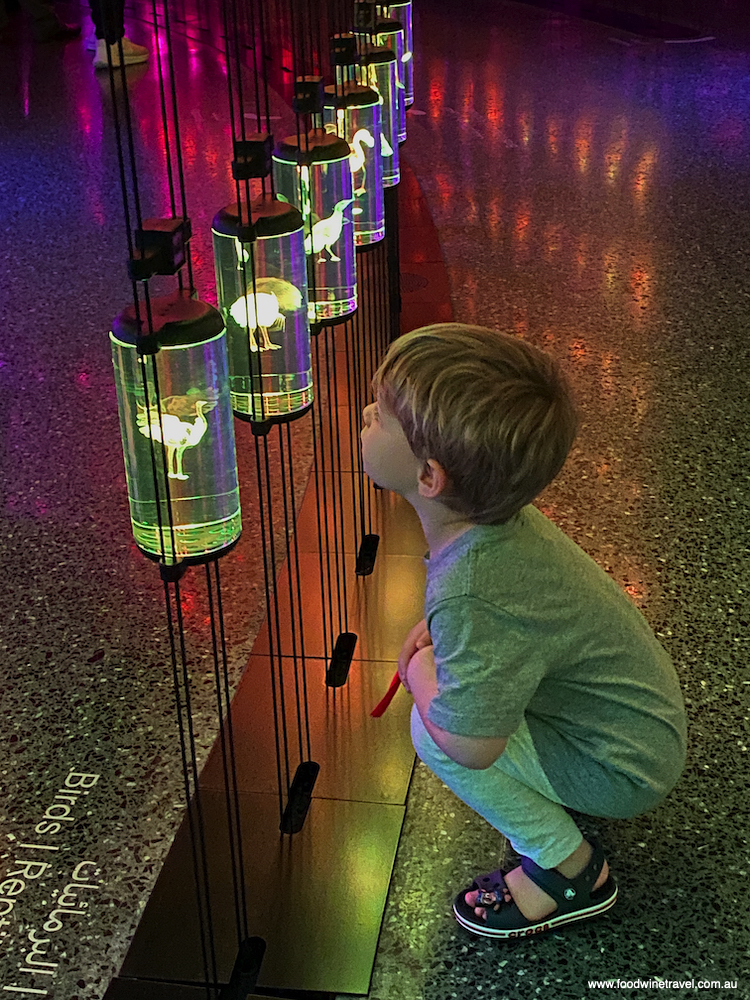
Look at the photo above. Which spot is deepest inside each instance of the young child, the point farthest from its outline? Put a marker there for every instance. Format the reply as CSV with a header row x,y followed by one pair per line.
x,y
537,683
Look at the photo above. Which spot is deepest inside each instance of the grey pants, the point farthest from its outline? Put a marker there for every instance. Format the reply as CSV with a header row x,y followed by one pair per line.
x,y
513,795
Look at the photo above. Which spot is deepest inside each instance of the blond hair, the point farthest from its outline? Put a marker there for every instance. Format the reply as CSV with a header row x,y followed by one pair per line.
x,y
493,411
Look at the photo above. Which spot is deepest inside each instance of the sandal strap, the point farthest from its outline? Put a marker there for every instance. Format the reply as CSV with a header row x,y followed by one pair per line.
x,y
568,893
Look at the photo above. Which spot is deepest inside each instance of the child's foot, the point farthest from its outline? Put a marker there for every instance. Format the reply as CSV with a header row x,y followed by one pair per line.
x,y
533,902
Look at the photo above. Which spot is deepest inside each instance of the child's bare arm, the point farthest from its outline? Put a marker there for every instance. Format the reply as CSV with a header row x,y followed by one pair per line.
x,y
476,753
418,638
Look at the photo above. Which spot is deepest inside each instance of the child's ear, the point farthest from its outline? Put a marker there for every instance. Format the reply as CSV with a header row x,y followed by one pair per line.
x,y
433,479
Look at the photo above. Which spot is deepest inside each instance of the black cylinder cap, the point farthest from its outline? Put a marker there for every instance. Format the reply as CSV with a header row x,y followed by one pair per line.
x,y
386,24
376,54
350,95
178,320
321,145
269,217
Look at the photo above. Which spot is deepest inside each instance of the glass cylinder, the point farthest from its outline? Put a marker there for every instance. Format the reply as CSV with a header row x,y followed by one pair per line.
x,y
353,113
390,33
185,504
261,283
401,11
312,173
377,69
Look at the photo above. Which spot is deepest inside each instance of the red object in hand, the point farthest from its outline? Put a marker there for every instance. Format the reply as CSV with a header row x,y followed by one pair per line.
x,y
388,697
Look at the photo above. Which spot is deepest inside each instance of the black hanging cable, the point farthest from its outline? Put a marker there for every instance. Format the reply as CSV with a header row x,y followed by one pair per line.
x,y
319,456
338,474
331,394
318,471
181,685
188,797
394,270
356,414
225,754
164,119
363,395
236,34
328,592
129,129
377,270
165,469
276,621
360,403
374,293
232,757
178,144
309,60
193,764
299,595
230,78
264,56
246,256
267,575
136,301
254,35
246,251
300,68
372,311
291,590
319,21
259,44
385,303
121,164
331,406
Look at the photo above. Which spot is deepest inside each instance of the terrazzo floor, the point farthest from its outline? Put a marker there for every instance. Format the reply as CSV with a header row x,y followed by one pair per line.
x,y
590,191
591,194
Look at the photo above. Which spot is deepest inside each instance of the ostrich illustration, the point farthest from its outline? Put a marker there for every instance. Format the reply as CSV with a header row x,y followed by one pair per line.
x,y
357,156
326,232
178,434
264,310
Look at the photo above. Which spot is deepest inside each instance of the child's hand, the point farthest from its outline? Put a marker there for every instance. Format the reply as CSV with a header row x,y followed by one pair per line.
x,y
417,639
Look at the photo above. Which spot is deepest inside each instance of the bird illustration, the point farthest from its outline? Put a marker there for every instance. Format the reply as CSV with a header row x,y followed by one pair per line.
x,y
357,155
326,232
264,310
177,434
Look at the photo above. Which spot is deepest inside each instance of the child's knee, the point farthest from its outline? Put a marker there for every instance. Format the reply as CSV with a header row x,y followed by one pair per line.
x,y
427,750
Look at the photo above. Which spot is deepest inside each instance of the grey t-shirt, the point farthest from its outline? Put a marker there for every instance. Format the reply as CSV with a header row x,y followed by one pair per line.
x,y
525,623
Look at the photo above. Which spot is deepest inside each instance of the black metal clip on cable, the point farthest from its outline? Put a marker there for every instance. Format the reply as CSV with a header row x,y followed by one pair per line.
x,y
160,248
246,970
252,156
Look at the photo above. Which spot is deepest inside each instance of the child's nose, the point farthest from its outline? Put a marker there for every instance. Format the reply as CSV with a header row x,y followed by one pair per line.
x,y
367,414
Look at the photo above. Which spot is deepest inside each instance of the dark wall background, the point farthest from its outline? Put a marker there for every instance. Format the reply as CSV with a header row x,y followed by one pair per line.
x,y
729,20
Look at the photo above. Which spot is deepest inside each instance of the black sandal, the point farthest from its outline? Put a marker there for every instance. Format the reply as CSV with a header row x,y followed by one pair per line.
x,y
574,898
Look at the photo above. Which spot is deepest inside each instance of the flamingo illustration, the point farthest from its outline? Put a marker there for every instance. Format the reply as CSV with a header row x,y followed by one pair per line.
x,y
326,232
265,309
178,434
357,155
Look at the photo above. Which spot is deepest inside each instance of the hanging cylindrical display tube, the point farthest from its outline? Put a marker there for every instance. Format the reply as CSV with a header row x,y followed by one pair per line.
x,y
353,113
261,283
401,11
177,430
377,69
312,172
390,34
